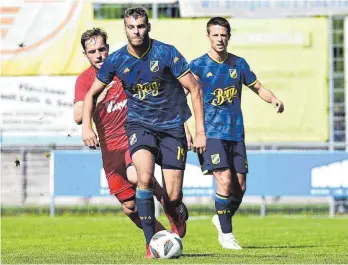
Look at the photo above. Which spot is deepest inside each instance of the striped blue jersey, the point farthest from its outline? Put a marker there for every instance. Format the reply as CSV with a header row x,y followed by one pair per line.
x,y
222,89
156,98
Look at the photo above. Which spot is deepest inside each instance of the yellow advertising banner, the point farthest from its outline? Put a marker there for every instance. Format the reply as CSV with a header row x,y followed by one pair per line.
x,y
42,37
289,56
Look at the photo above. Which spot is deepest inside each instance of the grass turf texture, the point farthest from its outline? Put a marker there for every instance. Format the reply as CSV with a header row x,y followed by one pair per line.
x,y
110,240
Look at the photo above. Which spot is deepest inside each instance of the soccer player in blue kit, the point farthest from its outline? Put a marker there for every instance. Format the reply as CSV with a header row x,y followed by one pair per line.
x,y
222,75
153,75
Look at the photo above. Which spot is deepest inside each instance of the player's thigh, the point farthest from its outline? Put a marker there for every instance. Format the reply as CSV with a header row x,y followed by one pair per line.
x,y
141,138
215,158
115,170
242,182
120,186
173,149
113,161
131,172
173,152
238,158
143,147
239,167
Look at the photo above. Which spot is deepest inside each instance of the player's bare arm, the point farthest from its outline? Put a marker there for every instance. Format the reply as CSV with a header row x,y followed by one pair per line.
x,y
188,137
78,106
267,96
190,83
88,135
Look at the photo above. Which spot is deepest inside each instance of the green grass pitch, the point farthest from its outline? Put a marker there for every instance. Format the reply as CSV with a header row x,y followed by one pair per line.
x,y
114,239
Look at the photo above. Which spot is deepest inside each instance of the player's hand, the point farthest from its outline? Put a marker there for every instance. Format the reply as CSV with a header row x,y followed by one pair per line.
x,y
89,138
189,140
200,143
278,104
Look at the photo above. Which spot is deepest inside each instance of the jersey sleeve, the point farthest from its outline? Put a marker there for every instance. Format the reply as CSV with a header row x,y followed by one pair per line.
x,y
106,73
81,89
194,68
178,63
248,76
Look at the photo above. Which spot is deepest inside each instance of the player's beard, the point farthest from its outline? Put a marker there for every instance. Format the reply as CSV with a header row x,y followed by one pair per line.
x,y
140,42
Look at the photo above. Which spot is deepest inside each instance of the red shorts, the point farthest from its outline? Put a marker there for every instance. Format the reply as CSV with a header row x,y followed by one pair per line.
x,y
115,164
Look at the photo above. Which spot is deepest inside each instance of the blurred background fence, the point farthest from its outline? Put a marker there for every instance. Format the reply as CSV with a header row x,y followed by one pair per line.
x,y
296,48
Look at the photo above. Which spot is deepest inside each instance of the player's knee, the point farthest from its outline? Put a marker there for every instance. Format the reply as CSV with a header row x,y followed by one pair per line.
x,y
224,185
132,175
243,187
144,181
242,183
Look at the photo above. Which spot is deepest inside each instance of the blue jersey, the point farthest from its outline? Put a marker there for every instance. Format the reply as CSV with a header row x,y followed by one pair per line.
x,y
222,92
156,98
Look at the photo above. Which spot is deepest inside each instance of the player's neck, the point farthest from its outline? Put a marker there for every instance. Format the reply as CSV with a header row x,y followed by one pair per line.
x,y
140,51
218,56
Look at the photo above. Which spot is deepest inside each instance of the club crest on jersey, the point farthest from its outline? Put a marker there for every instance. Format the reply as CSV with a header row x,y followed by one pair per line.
x,y
126,71
154,66
233,73
176,59
209,74
215,159
133,139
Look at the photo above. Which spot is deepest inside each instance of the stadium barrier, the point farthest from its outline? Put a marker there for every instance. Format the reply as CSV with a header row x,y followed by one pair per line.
x,y
282,173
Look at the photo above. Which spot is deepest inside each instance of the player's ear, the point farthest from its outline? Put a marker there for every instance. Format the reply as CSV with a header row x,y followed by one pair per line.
x,y
84,53
149,27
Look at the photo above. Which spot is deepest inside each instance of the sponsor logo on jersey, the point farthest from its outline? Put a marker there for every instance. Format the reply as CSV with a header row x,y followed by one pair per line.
x,y
142,90
221,95
113,106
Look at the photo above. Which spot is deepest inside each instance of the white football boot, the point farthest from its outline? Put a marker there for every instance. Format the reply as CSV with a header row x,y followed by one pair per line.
x,y
226,240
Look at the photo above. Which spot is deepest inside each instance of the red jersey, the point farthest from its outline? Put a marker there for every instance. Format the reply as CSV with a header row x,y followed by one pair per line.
x,y
109,115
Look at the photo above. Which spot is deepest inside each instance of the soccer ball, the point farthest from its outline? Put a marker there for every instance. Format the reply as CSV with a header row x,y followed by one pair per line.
x,y
165,245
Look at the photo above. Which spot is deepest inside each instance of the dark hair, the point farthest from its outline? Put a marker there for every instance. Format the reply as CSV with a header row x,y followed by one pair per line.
x,y
221,22
93,33
136,12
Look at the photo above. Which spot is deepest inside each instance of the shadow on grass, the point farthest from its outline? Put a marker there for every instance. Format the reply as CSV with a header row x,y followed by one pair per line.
x,y
262,247
197,255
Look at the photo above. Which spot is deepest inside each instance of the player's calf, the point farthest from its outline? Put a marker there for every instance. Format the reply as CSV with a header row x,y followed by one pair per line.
x,y
177,215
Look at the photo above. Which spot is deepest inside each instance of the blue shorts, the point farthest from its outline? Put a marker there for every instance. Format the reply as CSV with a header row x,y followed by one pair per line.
x,y
222,154
168,147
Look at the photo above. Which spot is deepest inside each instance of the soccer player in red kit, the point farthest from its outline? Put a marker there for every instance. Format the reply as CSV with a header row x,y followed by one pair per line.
x,y
109,118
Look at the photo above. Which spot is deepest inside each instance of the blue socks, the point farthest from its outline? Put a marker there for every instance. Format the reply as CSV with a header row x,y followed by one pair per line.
x,y
146,210
223,212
